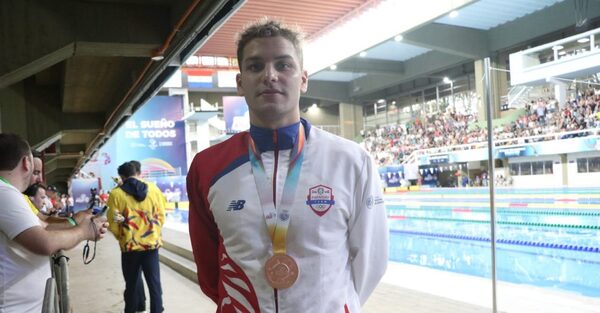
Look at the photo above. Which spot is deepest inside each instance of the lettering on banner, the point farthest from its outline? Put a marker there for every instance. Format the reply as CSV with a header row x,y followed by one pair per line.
x,y
152,129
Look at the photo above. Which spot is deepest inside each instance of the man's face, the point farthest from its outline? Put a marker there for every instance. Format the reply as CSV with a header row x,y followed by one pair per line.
x,y
36,177
39,199
271,80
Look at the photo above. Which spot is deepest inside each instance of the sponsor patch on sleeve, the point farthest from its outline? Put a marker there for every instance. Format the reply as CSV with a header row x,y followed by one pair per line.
x,y
373,201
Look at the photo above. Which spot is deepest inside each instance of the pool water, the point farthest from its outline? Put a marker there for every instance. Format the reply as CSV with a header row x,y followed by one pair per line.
x,y
544,238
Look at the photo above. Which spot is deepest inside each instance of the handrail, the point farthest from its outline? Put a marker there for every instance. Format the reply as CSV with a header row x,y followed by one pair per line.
x,y
50,304
560,42
60,272
501,143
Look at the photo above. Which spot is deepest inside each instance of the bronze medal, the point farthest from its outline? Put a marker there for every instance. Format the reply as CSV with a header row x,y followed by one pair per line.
x,y
281,271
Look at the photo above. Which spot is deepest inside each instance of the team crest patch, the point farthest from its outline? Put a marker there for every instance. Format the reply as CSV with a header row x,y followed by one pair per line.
x,y
320,199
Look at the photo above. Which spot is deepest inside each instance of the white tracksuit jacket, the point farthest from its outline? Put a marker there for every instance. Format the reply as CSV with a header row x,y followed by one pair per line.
x,y
341,253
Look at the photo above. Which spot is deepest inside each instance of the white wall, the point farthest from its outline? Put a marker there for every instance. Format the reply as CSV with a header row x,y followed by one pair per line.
x,y
581,179
535,181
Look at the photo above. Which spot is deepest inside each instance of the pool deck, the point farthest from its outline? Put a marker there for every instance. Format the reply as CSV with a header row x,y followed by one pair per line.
x,y
98,288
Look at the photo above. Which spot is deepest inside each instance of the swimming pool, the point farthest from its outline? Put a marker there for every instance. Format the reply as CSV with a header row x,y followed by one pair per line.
x,y
545,237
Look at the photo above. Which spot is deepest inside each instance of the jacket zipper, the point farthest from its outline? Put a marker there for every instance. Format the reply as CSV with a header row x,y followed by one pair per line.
x,y
276,162
275,165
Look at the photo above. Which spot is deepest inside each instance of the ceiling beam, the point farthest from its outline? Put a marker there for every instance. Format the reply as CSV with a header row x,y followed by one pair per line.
x,y
113,49
422,65
58,30
370,66
557,17
455,40
328,90
58,163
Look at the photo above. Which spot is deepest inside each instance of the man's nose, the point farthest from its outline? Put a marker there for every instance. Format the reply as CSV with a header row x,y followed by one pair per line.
x,y
270,73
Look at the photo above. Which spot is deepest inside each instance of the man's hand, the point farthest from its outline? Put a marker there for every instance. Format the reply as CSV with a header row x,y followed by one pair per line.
x,y
94,233
81,215
118,218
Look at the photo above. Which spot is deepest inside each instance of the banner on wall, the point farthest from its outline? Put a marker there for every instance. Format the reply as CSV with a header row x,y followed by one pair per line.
x,y
430,176
392,175
153,135
235,111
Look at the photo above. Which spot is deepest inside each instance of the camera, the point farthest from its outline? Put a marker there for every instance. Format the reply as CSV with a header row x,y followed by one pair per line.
x,y
94,202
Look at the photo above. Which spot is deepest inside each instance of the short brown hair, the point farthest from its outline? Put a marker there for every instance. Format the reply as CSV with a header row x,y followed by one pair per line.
x,y
266,28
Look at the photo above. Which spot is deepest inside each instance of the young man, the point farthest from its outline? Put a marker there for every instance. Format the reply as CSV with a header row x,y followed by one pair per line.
x,y
24,243
137,214
284,218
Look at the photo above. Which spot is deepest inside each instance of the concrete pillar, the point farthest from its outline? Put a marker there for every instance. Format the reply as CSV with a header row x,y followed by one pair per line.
x,y
499,85
560,92
479,89
565,169
499,81
351,120
203,131
437,98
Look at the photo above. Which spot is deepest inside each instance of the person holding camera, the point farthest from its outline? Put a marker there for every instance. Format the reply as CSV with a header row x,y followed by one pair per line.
x,y
136,216
25,243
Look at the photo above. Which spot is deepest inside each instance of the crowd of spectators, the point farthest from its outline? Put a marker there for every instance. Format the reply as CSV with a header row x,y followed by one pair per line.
x,y
392,143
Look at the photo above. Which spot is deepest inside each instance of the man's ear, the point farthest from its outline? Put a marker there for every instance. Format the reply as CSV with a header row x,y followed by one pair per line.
x,y
304,81
238,81
27,163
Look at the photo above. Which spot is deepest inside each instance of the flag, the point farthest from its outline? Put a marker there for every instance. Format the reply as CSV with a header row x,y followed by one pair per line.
x,y
198,78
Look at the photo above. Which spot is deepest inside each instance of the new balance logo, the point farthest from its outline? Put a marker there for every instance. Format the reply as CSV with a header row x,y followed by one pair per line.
x,y
236,205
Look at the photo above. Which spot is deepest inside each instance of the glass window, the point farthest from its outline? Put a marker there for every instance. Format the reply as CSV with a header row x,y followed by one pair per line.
x,y
582,165
538,167
221,61
193,60
207,60
526,168
194,146
594,164
514,169
548,167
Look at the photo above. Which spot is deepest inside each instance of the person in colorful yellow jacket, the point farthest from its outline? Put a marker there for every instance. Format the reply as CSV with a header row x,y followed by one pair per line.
x,y
136,215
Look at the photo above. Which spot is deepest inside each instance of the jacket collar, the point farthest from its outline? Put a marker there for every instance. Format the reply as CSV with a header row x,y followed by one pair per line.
x,y
282,138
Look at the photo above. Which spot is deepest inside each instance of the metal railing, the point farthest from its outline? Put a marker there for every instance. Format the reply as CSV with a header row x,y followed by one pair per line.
x,y
503,143
56,297
50,297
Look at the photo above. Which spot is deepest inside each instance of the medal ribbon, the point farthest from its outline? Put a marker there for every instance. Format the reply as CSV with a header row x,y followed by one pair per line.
x,y
278,219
